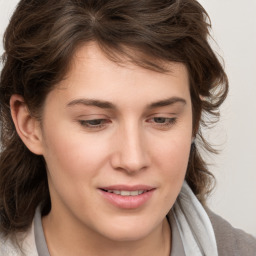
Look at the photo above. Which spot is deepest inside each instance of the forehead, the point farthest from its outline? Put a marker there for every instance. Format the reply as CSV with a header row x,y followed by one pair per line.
x,y
92,53
92,74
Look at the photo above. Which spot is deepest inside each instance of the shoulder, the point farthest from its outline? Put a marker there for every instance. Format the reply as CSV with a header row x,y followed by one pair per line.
x,y
24,244
231,241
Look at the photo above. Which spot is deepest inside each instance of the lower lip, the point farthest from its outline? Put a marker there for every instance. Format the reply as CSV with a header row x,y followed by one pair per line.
x,y
127,202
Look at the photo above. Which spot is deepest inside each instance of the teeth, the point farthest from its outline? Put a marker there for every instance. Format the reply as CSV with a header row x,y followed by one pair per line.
x,y
126,193
134,193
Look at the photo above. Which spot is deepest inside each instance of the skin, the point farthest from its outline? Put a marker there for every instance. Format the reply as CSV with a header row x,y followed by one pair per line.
x,y
135,140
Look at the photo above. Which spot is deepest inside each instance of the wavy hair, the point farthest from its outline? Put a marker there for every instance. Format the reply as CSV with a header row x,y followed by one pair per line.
x,y
39,43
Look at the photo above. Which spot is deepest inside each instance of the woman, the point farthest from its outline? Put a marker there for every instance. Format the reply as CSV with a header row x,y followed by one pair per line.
x,y
101,102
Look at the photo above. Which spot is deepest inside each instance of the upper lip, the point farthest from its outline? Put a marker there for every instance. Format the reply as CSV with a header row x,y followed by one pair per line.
x,y
128,187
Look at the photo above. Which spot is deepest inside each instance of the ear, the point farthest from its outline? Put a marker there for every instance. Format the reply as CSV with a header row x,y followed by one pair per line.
x,y
27,127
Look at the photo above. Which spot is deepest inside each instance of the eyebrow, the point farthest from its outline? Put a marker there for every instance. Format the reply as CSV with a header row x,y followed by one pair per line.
x,y
109,105
167,102
92,102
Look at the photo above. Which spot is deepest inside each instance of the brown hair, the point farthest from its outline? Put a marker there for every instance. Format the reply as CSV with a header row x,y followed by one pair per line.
x,y
39,43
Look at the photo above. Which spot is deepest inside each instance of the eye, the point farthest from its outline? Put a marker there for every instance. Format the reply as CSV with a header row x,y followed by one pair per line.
x,y
94,123
162,122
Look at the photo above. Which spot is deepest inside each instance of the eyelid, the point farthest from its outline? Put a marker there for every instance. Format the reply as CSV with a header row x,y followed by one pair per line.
x,y
85,123
92,116
168,123
163,117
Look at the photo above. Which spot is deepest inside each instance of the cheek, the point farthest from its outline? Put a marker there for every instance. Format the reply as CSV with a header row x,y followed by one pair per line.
x,y
73,154
172,160
175,171
173,153
73,164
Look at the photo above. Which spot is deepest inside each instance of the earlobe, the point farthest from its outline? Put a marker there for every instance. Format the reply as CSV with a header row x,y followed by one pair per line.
x,y
27,127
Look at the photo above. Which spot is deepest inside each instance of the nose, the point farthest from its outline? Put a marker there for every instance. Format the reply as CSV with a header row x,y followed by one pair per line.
x,y
130,150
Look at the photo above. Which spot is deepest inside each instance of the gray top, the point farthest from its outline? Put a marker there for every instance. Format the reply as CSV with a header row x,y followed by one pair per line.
x,y
231,241
41,245
177,247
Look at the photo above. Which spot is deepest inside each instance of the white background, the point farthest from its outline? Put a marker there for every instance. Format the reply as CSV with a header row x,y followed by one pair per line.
x,y
234,30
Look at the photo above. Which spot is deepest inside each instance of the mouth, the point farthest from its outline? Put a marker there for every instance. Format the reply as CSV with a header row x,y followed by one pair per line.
x,y
127,197
126,192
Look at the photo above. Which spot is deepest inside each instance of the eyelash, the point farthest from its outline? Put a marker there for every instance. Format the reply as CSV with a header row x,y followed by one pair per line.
x,y
98,124
167,122
86,123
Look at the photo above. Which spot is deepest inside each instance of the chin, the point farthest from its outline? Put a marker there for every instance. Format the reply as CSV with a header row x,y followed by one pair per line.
x,y
129,231
128,235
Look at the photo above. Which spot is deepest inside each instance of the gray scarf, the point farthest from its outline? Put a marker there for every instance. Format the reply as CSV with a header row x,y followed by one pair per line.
x,y
194,225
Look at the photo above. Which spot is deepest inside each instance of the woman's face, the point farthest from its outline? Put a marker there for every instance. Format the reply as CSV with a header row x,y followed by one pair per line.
x,y
116,140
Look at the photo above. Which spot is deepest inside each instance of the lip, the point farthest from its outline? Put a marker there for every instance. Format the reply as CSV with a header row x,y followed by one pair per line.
x,y
127,202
